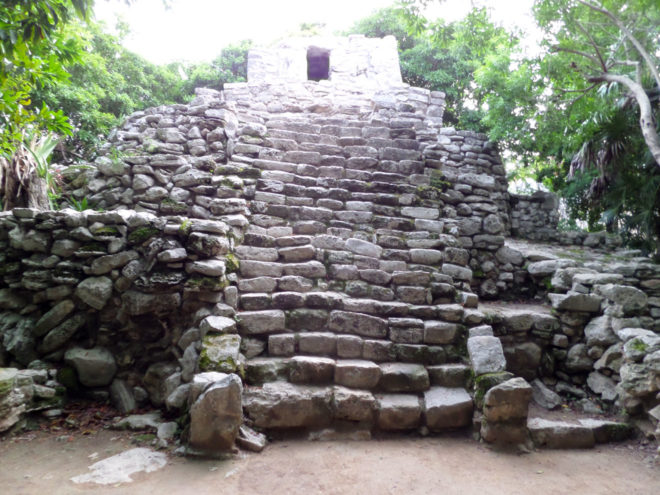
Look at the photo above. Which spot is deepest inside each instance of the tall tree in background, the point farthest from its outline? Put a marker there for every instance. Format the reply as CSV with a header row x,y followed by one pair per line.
x,y
32,54
444,56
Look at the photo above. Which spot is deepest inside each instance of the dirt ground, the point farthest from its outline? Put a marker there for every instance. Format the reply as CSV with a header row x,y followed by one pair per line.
x,y
43,463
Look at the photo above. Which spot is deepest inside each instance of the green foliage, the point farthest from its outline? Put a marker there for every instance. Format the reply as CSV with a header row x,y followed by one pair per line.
x,y
78,205
106,83
230,66
444,56
32,54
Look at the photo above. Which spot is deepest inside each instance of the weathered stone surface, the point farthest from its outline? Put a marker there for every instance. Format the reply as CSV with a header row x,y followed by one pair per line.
x,y
53,317
353,405
217,324
440,332
403,377
447,408
357,374
216,415
398,411
608,431
357,323
578,359
285,405
543,396
139,303
311,370
507,401
523,359
105,264
250,440
59,335
449,375
599,332
95,291
122,396
486,354
96,367
625,299
155,381
262,370
576,302
221,353
363,248
603,386
560,434
260,322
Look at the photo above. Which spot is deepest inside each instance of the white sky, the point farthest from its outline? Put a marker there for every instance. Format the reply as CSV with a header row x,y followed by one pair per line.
x,y
197,30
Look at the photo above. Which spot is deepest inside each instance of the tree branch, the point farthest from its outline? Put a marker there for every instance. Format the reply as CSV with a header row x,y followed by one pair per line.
x,y
593,43
578,52
640,49
646,122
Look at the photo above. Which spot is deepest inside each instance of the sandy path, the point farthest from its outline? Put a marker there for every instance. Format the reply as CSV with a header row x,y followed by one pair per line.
x,y
441,465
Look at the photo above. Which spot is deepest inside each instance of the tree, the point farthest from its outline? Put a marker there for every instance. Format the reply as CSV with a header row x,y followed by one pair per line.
x,y
444,56
31,55
230,66
608,43
106,83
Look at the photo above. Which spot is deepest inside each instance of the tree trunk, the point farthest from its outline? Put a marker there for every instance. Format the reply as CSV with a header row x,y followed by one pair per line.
x,y
646,121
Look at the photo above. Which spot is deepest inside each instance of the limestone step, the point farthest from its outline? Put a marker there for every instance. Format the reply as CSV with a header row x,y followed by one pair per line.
x,y
285,405
576,434
354,373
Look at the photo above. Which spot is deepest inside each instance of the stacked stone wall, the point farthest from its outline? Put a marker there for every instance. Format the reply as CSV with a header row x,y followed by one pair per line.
x,y
115,298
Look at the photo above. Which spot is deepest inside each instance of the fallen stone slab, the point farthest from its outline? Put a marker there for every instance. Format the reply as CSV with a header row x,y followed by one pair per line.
x,y
543,396
486,354
447,408
251,440
608,431
560,434
138,422
120,467
216,416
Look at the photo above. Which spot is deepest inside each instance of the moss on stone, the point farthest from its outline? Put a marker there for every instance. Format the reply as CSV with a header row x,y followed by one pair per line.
x,y
639,345
92,247
232,263
68,377
173,206
141,234
483,383
185,228
107,230
213,284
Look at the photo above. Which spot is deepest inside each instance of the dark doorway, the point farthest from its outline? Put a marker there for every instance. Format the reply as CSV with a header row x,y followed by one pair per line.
x,y
318,63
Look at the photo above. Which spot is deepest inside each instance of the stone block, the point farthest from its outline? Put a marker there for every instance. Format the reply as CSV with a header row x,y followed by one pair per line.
x,y
317,343
403,377
311,370
353,405
261,322
486,355
285,405
447,408
216,415
357,374
560,434
508,401
398,411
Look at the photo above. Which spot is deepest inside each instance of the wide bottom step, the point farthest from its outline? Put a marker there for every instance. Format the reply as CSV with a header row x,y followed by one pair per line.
x,y
285,405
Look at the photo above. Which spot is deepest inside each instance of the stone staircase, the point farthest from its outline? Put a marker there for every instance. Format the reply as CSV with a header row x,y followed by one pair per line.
x,y
353,299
